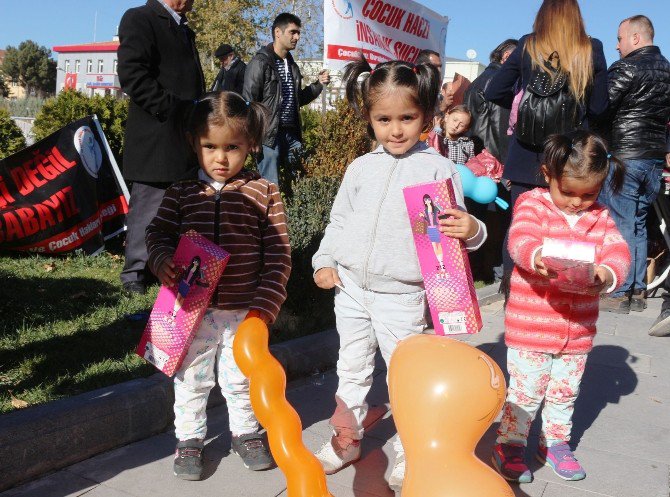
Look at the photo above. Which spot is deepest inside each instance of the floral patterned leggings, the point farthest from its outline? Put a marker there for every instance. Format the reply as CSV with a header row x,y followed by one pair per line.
x,y
534,377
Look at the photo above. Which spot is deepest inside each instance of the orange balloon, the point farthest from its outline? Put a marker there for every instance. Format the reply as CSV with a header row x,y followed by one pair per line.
x,y
267,384
444,395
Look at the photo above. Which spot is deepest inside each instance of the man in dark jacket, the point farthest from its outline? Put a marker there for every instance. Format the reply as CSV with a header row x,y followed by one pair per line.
x,y
639,99
158,68
231,75
273,78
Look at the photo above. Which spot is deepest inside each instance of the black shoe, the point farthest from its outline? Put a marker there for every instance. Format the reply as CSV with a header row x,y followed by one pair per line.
x,y
134,287
661,327
188,459
253,450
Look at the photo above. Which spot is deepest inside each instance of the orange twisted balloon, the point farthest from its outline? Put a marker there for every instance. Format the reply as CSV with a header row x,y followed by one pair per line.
x,y
304,474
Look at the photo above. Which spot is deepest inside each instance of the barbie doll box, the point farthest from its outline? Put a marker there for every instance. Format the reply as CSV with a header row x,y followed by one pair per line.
x,y
179,309
443,260
572,261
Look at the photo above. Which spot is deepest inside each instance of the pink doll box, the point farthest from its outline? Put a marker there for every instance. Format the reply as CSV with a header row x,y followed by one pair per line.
x,y
573,261
179,309
451,294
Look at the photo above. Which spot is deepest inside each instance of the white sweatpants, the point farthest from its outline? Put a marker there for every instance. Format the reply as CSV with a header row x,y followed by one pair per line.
x,y
212,349
401,315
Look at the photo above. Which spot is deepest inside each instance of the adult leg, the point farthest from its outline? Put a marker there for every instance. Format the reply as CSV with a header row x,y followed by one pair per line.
x,y
145,198
267,162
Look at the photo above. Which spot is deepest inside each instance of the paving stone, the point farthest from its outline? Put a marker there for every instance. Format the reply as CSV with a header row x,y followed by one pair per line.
x,y
62,484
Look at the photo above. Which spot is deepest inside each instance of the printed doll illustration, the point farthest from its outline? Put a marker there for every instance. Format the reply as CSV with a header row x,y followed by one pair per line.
x,y
431,214
192,276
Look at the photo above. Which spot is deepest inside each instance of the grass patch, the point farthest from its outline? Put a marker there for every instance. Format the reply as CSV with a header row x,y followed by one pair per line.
x,y
64,327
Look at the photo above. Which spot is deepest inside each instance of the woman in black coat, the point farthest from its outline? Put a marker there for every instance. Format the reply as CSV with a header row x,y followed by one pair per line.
x,y
581,57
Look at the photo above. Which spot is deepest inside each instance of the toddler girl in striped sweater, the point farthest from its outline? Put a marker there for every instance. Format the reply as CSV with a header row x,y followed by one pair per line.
x,y
244,214
548,330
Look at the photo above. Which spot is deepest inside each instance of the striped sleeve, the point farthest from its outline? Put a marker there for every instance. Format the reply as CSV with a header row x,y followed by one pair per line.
x,y
525,232
162,234
271,291
615,254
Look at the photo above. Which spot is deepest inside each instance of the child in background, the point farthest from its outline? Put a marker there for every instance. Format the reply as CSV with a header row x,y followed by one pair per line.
x,y
549,332
368,250
244,214
458,147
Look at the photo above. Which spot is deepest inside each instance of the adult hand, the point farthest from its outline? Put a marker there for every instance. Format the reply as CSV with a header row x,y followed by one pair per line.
x,y
327,278
324,77
458,224
166,273
667,160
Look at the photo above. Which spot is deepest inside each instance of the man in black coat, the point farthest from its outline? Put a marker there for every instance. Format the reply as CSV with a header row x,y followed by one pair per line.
x,y
273,78
231,75
639,110
159,69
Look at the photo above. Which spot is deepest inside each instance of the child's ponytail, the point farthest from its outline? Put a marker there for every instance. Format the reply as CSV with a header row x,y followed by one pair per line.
x,y
356,91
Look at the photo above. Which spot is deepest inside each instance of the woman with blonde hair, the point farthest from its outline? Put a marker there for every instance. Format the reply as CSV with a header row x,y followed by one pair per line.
x,y
560,48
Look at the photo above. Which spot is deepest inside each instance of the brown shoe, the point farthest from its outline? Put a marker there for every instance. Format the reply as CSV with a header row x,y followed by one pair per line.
x,y
619,305
638,302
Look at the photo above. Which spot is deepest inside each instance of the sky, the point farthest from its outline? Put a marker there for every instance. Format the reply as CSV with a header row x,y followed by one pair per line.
x,y
476,24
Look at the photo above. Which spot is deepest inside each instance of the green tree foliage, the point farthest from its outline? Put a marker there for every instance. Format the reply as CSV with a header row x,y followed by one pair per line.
x,y
71,105
11,138
31,65
4,89
235,22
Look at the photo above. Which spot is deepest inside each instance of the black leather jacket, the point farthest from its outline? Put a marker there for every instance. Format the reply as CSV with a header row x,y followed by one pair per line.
x,y
263,84
489,120
639,99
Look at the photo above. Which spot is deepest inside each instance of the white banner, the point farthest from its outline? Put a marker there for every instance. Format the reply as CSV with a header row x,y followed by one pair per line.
x,y
380,29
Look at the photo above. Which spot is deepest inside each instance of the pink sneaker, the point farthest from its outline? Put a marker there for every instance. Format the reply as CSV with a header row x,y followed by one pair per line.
x,y
561,459
508,460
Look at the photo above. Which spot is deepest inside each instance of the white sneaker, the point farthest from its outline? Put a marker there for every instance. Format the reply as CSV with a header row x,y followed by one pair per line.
x,y
398,473
333,457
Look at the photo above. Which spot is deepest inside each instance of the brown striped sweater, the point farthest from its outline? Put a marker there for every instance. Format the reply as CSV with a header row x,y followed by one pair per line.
x,y
248,222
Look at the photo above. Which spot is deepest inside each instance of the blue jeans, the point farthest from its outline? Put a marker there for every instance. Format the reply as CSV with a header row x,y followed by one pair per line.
x,y
286,149
629,208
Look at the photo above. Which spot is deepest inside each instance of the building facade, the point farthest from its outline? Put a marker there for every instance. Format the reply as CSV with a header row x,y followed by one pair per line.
x,y
89,68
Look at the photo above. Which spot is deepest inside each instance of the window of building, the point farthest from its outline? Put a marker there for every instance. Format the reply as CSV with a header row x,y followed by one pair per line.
x,y
77,65
89,66
115,63
67,66
101,66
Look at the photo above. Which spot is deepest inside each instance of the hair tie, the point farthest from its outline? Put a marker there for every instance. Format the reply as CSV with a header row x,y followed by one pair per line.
x,y
247,102
371,71
416,71
609,156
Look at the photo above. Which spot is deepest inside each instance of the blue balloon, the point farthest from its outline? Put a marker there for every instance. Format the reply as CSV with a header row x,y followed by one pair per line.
x,y
481,189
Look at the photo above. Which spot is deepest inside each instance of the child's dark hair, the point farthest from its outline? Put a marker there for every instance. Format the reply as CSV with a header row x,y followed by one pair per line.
x,y
227,108
463,109
423,79
581,154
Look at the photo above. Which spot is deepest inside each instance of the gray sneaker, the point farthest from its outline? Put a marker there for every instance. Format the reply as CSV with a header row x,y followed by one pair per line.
x,y
253,450
188,459
661,327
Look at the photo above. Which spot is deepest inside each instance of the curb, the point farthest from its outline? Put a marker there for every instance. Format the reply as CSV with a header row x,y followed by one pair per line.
x,y
57,434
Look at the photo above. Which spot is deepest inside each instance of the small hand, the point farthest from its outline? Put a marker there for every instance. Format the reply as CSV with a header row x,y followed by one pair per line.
x,y
327,278
458,224
166,273
602,281
541,268
324,76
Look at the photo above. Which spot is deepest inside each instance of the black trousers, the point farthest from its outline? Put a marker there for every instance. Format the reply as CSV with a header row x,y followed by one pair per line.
x,y
145,198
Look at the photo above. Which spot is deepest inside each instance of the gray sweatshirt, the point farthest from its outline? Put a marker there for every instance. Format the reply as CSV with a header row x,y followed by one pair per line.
x,y
369,236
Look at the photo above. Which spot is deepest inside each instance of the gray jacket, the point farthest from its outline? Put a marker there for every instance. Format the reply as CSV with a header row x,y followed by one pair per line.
x,y
369,236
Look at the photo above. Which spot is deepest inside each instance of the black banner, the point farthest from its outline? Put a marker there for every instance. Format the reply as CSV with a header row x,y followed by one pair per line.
x,y
62,193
